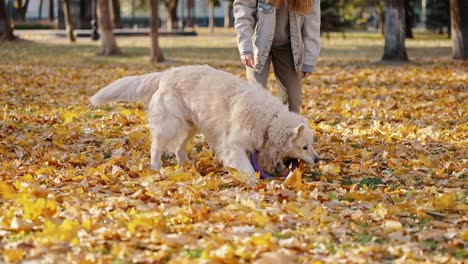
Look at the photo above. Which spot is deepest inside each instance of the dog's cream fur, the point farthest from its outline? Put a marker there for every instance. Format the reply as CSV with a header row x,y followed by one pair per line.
x,y
235,117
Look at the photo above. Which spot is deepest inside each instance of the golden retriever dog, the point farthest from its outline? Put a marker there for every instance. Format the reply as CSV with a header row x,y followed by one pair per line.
x,y
235,117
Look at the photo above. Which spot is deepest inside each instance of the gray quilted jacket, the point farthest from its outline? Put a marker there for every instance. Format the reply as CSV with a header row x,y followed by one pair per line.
x,y
255,25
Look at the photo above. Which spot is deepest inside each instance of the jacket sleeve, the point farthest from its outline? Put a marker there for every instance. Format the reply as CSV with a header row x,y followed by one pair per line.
x,y
311,35
245,20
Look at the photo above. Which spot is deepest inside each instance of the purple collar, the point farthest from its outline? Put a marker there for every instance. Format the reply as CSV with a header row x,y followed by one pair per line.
x,y
263,174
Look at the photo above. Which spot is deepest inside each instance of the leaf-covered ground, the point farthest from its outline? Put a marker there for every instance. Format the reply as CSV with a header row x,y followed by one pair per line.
x,y
76,185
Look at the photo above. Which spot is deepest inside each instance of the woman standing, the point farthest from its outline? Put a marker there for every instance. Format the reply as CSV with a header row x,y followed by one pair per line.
x,y
285,33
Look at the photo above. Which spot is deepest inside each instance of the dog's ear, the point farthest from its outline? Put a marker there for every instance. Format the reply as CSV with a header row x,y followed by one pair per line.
x,y
297,131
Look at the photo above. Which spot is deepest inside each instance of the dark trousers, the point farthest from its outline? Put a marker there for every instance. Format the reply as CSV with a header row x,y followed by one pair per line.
x,y
288,80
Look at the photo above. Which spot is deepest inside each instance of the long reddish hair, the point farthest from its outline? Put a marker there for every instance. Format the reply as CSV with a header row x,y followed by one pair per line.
x,y
300,6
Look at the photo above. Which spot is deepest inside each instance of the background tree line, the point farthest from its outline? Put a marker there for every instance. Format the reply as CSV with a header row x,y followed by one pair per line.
x,y
394,18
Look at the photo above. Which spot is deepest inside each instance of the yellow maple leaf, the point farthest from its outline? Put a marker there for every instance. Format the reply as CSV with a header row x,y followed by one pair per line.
x,y
392,226
143,222
13,255
294,179
241,177
331,169
264,241
424,160
88,224
7,191
125,112
444,201
464,234
68,116
66,232
379,212
33,208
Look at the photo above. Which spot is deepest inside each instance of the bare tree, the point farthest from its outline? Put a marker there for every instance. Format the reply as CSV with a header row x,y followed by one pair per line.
x,y
190,7
211,14
68,22
40,9
133,12
459,21
171,14
6,31
409,17
22,8
156,53
395,31
423,12
51,10
116,17
227,13
379,7
109,45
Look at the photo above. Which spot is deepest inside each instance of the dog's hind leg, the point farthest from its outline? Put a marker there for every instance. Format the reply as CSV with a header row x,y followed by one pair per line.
x,y
157,148
156,154
170,133
181,151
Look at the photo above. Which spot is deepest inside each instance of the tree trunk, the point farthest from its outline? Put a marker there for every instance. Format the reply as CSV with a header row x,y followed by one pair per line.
x,y
109,45
211,14
94,21
227,14
22,9
424,12
382,22
51,10
168,20
175,18
6,31
189,22
156,54
409,15
116,14
39,17
171,14
395,31
458,13
68,22
133,12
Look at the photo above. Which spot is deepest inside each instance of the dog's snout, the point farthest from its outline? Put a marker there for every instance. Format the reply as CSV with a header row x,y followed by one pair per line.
x,y
316,159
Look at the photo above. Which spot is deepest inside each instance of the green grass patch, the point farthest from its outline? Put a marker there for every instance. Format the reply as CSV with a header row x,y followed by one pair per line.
x,y
195,253
363,237
370,182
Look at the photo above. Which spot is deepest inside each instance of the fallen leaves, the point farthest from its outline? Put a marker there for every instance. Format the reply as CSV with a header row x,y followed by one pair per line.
x,y
392,226
294,180
13,255
69,116
66,232
76,185
444,201
7,191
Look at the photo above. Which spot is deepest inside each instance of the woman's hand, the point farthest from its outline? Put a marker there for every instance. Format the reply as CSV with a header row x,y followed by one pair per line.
x,y
248,60
305,74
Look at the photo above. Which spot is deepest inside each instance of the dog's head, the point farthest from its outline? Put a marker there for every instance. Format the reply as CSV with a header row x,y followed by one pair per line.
x,y
299,144
290,137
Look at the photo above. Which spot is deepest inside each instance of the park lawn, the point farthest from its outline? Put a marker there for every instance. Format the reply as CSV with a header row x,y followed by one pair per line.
x,y
76,185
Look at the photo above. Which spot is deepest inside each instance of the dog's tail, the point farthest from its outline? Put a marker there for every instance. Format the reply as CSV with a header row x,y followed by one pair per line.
x,y
131,89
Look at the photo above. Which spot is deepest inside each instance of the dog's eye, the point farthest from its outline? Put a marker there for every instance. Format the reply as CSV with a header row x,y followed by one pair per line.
x,y
305,147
